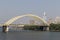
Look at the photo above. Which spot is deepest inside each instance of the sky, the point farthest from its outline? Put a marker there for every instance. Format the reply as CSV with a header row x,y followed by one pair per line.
x,y
12,8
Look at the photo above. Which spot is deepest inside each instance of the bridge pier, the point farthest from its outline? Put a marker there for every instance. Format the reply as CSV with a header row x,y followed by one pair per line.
x,y
4,28
47,28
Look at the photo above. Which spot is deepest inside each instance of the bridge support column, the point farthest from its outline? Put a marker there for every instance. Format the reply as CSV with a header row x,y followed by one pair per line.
x,y
47,29
4,28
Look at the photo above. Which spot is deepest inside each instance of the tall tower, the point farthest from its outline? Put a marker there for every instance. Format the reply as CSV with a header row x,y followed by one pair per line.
x,y
45,16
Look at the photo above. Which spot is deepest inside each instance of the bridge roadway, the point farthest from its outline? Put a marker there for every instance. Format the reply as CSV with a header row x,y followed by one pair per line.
x,y
21,25
6,28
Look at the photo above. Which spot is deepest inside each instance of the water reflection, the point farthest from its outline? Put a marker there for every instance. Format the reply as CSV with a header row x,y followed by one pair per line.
x,y
3,36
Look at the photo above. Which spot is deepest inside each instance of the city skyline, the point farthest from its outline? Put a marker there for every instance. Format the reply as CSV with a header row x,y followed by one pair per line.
x,y
12,8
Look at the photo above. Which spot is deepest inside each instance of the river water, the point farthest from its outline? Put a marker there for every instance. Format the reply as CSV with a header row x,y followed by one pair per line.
x,y
30,35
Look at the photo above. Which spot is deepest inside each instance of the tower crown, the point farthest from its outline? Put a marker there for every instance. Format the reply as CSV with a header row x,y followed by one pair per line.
x,y
44,16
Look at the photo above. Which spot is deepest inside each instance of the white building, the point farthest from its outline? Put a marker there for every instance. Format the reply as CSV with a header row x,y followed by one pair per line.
x,y
57,20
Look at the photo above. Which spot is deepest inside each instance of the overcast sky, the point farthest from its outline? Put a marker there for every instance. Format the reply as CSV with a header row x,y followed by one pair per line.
x,y
12,8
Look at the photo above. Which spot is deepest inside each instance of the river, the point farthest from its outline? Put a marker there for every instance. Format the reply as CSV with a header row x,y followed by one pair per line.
x,y
30,35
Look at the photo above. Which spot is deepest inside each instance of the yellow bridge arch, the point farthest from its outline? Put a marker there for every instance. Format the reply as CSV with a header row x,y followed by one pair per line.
x,y
31,15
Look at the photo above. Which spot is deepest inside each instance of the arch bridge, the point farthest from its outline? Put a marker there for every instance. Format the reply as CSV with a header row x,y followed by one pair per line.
x,y
5,28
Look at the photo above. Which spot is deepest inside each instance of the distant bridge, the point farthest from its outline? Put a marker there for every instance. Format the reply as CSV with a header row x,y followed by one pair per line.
x,y
9,22
30,15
